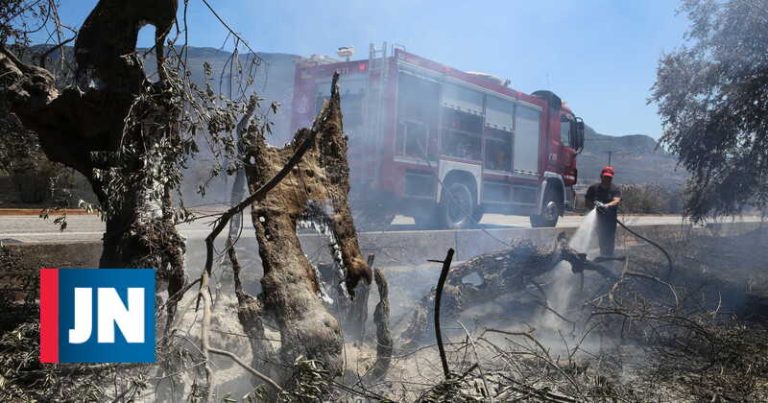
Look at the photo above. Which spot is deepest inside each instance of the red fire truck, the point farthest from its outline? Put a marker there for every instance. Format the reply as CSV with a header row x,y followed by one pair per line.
x,y
443,145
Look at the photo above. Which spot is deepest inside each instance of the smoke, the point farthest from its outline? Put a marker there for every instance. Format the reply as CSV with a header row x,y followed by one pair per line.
x,y
559,291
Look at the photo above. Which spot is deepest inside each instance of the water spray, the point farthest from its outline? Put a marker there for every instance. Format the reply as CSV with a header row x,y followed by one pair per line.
x,y
584,235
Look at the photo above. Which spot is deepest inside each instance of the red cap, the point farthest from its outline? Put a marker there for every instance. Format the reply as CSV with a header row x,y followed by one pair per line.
x,y
607,171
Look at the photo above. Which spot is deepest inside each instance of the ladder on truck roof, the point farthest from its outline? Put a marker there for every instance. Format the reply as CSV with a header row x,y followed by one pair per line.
x,y
375,91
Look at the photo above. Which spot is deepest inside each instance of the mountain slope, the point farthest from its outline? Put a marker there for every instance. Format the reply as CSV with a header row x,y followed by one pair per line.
x,y
636,158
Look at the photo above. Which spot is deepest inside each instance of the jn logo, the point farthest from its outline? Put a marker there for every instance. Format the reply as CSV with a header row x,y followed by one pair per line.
x,y
104,315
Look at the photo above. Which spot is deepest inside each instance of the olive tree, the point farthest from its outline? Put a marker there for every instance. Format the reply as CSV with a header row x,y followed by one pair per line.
x,y
128,133
712,96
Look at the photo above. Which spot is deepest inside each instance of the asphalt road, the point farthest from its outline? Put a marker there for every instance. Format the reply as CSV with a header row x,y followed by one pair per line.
x,y
30,228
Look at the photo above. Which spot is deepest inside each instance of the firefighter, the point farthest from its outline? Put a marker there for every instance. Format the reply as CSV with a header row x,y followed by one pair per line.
x,y
606,197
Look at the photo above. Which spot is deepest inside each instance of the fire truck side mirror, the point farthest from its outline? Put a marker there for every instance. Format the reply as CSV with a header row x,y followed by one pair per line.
x,y
578,135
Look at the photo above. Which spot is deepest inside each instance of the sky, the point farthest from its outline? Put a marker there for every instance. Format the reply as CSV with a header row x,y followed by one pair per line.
x,y
600,56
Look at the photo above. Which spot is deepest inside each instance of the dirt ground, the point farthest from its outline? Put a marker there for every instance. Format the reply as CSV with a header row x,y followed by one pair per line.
x,y
697,335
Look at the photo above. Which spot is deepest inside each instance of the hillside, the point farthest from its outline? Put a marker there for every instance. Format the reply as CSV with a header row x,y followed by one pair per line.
x,y
636,158
273,77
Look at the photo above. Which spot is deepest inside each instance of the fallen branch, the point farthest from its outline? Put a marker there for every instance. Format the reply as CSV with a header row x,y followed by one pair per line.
x,y
247,367
438,297
500,273
670,267
660,281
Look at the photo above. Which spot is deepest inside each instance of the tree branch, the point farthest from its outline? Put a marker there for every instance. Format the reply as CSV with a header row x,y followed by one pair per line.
x,y
247,367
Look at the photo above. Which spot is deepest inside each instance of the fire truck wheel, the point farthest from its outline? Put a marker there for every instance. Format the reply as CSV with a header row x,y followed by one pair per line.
x,y
550,212
478,214
458,206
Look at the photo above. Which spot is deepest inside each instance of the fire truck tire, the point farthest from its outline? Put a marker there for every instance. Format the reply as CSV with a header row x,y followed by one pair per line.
x,y
478,214
458,206
550,211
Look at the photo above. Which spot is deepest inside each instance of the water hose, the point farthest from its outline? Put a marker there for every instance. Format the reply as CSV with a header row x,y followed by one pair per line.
x,y
664,251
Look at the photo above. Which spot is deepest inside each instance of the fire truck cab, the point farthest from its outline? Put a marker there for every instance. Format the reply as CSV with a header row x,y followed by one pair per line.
x,y
442,145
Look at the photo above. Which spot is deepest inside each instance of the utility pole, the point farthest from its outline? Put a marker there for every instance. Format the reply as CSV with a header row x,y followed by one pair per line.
x,y
610,154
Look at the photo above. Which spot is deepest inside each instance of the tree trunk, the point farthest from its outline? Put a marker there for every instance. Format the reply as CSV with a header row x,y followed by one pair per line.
x,y
291,290
114,129
384,343
357,315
